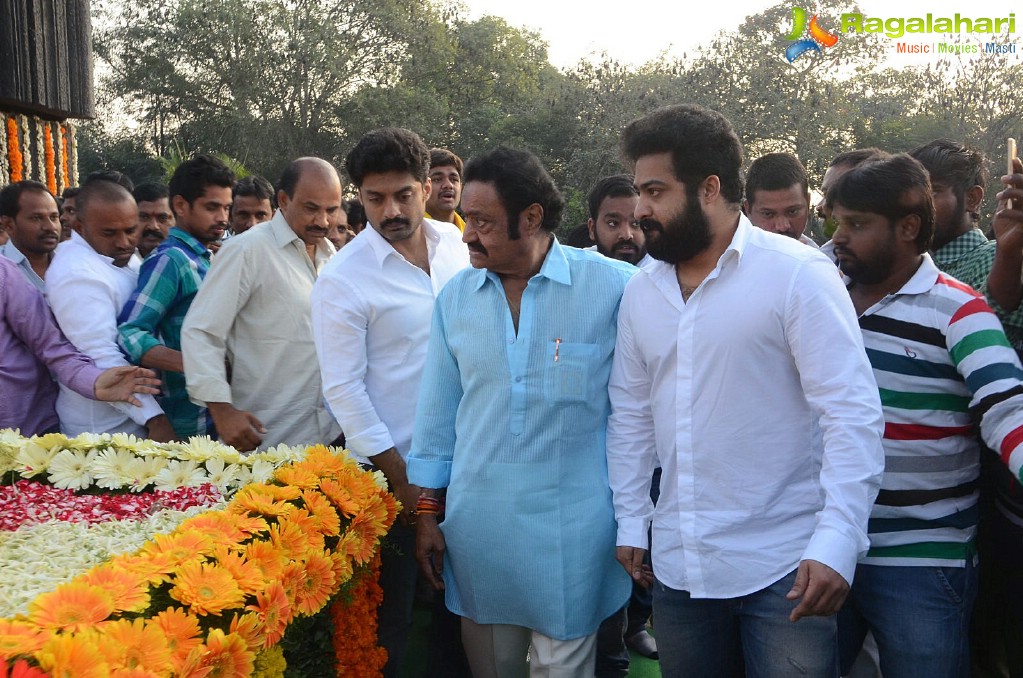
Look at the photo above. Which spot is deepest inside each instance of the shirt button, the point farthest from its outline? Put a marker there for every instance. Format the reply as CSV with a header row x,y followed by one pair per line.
x,y
518,379
511,341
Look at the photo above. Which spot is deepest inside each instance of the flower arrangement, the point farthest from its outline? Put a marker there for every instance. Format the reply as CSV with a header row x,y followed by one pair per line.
x,y
14,150
64,175
51,165
124,462
213,596
39,149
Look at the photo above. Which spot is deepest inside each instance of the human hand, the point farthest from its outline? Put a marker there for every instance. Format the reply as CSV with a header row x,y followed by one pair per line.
x,y
1008,223
119,384
159,429
632,559
430,546
408,495
822,590
238,428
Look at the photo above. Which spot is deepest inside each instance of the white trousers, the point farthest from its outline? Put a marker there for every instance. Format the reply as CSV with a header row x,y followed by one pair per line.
x,y
506,651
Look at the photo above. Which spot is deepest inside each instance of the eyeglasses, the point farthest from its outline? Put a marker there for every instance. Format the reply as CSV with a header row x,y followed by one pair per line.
x,y
160,217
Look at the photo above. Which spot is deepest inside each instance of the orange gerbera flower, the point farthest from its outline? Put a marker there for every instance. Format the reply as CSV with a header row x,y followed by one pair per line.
x,y
252,499
155,568
228,655
129,591
317,584
218,525
289,539
248,575
180,546
206,588
181,631
341,563
250,628
71,607
297,476
292,579
20,669
340,496
266,557
301,519
17,637
323,513
67,656
358,547
274,610
130,644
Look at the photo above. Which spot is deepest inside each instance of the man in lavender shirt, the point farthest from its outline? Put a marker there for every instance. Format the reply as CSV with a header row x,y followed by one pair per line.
x,y
31,345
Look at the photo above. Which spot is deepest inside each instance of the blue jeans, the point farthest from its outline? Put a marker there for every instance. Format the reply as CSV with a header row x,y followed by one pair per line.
x,y
919,615
715,638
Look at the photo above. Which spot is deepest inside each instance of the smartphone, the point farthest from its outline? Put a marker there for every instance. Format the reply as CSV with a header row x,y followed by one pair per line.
x,y
1010,145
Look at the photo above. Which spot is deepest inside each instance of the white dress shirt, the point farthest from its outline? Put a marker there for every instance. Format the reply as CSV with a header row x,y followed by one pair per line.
x,y
731,392
371,320
86,292
252,310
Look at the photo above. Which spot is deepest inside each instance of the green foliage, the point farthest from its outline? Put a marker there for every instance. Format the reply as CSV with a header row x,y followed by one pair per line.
x,y
308,645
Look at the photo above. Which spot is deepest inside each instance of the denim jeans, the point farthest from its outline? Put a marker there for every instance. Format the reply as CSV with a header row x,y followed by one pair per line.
x,y
715,638
919,616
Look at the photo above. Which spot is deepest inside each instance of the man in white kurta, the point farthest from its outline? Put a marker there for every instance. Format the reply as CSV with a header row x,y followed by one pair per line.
x,y
253,315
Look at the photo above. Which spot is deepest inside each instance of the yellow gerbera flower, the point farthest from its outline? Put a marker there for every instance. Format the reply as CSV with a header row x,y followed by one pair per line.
x,y
128,644
206,588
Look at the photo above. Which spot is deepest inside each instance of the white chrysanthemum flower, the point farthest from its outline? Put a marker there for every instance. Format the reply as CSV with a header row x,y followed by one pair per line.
x,y
281,454
202,448
11,437
113,468
89,441
33,459
126,441
261,471
222,475
380,479
180,474
71,469
146,471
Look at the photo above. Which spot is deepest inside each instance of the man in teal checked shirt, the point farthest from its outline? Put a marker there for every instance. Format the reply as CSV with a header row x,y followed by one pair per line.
x,y
511,420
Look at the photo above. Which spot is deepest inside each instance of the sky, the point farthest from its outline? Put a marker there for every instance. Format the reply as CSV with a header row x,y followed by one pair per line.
x,y
636,31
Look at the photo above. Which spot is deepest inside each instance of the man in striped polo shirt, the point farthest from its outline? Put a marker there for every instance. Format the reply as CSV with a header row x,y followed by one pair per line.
x,y
943,364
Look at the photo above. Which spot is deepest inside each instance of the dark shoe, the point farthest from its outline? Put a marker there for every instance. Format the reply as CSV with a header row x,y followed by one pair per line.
x,y
643,644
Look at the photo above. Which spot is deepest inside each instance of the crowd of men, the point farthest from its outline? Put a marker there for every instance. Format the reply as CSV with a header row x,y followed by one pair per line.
x,y
787,447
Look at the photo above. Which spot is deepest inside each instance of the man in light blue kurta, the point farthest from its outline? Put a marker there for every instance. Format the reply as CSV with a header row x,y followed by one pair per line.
x,y
512,419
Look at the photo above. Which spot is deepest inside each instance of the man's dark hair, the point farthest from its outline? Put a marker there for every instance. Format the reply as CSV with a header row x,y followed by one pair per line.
x,y
255,186
895,187
520,180
355,212
113,176
954,164
701,142
442,157
100,191
775,172
11,194
191,177
858,157
70,192
616,186
149,192
389,149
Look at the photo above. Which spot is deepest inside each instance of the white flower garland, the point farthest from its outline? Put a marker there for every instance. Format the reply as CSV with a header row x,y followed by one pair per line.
x,y
37,559
72,145
26,148
40,151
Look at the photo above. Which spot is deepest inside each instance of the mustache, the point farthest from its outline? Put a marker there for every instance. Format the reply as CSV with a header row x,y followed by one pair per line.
x,y
394,221
153,232
648,225
476,247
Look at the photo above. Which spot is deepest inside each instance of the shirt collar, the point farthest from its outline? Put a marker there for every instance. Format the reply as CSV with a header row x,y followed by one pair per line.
x,y
959,247
284,235
383,249
78,241
13,253
923,280
555,267
189,241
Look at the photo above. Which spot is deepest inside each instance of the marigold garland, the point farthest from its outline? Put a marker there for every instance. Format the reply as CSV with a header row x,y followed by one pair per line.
x,y
14,150
124,617
64,178
51,167
355,626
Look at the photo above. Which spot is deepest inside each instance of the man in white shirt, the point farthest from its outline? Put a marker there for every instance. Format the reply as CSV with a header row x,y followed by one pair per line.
x,y
739,366
372,308
87,283
778,196
252,313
